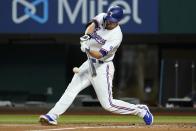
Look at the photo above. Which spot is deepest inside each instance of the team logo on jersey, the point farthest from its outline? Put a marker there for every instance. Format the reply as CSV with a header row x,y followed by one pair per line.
x,y
98,38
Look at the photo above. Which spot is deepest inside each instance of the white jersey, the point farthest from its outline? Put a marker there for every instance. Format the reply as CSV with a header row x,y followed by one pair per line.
x,y
104,40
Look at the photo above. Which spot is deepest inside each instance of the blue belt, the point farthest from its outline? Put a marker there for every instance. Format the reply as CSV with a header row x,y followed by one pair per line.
x,y
96,61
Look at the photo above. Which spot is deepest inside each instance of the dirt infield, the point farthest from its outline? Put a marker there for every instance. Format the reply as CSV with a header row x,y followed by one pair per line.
x,y
98,127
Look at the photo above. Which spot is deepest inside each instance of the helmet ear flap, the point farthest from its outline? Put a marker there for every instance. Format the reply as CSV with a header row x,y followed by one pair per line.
x,y
104,21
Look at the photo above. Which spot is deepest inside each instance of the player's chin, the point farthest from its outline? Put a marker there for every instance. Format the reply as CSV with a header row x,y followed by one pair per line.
x,y
110,27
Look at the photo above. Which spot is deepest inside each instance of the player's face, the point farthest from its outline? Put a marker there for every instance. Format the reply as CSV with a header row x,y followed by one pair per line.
x,y
110,25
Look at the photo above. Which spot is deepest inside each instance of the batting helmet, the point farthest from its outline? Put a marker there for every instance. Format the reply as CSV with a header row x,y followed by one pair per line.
x,y
114,14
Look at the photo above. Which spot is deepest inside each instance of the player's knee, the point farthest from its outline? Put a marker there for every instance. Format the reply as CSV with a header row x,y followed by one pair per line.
x,y
107,107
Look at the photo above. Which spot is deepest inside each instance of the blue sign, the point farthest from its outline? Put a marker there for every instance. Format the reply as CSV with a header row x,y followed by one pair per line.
x,y
71,16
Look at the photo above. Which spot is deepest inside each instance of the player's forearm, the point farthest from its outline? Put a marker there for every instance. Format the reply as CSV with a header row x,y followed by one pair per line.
x,y
95,54
90,29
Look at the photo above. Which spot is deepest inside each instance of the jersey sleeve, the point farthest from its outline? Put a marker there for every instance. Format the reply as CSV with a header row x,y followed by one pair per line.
x,y
98,20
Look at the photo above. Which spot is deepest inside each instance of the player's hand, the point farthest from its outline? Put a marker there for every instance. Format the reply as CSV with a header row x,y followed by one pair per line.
x,y
84,46
85,37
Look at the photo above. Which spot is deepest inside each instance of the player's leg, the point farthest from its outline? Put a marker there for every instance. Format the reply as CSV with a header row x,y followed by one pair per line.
x,y
103,89
78,83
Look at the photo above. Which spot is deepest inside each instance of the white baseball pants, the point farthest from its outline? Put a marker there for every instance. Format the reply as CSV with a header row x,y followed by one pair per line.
x,y
102,84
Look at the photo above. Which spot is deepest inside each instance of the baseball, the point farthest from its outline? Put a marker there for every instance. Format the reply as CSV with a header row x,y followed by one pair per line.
x,y
75,69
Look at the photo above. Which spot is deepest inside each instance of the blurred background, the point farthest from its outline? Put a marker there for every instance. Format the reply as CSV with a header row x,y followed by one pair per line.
x,y
39,46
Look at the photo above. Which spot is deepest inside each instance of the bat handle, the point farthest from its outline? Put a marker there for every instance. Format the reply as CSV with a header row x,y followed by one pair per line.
x,y
87,50
92,67
87,53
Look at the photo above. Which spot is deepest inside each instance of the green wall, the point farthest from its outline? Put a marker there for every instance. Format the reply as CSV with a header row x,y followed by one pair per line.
x,y
27,71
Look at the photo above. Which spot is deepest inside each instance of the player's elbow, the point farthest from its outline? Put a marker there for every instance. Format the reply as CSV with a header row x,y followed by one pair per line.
x,y
95,54
98,56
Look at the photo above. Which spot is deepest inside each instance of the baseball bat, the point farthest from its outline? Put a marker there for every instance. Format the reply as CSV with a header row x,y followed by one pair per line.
x,y
91,65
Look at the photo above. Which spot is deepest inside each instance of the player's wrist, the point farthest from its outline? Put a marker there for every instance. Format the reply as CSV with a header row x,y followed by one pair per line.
x,y
85,37
89,35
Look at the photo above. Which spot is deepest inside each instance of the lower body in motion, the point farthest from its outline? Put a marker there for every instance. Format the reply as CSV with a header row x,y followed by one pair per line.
x,y
102,84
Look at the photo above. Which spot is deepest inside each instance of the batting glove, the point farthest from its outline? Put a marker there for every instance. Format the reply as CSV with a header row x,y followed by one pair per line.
x,y
84,46
85,37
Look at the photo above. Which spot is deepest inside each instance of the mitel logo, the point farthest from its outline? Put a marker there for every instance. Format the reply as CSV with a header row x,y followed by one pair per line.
x,y
29,9
89,8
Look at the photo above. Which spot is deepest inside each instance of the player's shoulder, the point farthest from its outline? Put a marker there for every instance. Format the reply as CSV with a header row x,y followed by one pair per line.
x,y
117,32
99,17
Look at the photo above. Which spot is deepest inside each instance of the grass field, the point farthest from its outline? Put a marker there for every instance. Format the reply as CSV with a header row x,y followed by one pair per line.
x,y
33,119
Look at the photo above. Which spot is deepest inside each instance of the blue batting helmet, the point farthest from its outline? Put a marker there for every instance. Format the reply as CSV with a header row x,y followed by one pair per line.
x,y
114,14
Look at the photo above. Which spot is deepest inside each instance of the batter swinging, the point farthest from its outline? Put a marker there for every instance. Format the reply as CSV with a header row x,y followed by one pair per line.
x,y
102,38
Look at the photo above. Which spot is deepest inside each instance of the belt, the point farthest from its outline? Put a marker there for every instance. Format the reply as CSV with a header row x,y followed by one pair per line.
x,y
96,61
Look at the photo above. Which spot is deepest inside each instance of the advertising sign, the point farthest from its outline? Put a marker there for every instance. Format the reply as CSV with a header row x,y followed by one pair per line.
x,y
71,16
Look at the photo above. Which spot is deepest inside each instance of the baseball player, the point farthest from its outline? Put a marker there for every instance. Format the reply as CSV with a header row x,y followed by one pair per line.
x,y
102,38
